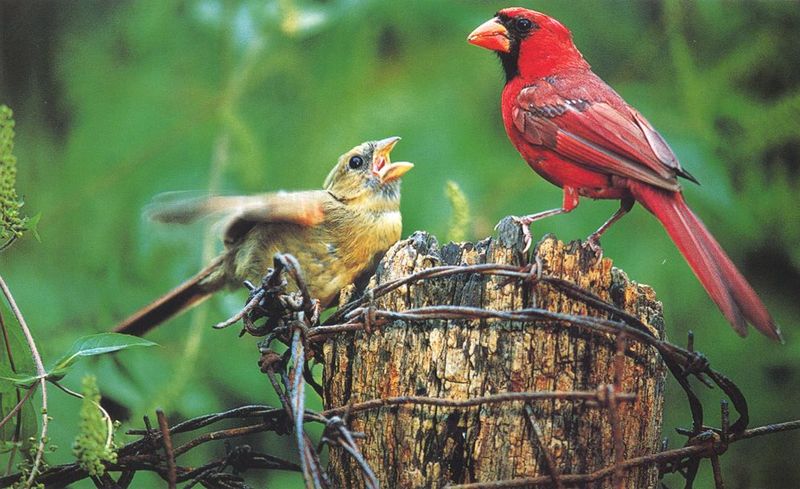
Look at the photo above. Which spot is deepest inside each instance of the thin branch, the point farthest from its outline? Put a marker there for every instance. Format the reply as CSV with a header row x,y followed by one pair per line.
x,y
18,406
41,373
166,439
106,417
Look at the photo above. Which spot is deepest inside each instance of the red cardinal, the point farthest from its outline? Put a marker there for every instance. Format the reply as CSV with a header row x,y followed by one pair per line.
x,y
578,133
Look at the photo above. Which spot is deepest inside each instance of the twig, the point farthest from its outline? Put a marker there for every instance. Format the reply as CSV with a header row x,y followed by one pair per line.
x,y
41,373
18,428
18,406
221,435
106,417
166,439
718,483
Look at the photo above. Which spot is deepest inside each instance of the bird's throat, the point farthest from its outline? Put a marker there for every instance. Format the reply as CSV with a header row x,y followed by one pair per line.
x,y
510,61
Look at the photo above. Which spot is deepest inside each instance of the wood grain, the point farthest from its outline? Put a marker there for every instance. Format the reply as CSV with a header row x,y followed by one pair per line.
x,y
416,446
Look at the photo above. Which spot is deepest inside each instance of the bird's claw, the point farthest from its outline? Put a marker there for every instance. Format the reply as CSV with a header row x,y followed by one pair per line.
x,y
593,243
524,224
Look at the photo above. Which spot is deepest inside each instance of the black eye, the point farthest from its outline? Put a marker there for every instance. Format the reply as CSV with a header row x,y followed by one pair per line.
x,y
523,25
356,162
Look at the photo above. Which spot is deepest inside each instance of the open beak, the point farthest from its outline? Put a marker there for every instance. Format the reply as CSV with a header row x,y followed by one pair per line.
x,y
382,166
491,35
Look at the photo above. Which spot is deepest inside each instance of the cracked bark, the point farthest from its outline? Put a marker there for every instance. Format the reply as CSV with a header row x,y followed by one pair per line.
x,y
421,446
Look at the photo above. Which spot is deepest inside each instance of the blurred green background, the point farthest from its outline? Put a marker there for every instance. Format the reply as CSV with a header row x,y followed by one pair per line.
x,y
116,102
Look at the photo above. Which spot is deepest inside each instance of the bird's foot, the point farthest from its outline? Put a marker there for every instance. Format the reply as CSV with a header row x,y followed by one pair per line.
x,y
593,243
524,223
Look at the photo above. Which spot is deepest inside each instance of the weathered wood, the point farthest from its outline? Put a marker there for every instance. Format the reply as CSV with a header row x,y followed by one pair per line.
x,y
421,446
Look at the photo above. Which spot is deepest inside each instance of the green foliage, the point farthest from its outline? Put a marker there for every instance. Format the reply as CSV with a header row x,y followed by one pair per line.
x,y
460,220
12,223
85,346
26,466
94,444
14,357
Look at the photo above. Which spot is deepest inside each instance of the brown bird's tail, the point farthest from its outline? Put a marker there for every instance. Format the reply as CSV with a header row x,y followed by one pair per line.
x,y
186,295
722,280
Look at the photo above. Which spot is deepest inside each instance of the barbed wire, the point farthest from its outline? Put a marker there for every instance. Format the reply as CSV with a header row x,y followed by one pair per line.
x,y
275,313
361,314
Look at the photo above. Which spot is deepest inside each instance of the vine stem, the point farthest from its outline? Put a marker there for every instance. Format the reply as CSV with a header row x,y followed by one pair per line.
x,y
41,373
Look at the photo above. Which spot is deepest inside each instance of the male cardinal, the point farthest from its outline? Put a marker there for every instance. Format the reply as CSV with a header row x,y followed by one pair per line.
x,y
578,133
337,234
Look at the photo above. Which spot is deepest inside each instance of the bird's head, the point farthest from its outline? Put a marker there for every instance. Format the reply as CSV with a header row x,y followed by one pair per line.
x,y
366,172
529,43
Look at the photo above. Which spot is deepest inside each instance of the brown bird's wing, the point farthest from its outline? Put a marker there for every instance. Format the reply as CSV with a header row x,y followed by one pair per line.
x,y
240,213
302,208
595,134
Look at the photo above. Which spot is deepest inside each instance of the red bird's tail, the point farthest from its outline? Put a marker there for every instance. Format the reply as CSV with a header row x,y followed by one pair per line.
x,y
186,295
722,280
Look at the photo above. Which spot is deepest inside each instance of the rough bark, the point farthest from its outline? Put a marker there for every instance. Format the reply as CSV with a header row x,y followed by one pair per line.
x,y
419,446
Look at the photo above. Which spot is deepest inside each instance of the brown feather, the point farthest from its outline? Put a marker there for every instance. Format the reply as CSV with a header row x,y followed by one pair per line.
x,y
337,234
188,294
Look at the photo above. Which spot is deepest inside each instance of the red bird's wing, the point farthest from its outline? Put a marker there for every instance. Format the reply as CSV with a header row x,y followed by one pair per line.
x,y
595,134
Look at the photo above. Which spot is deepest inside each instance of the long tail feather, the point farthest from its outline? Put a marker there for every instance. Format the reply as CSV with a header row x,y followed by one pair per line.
x,y
188,294
722,280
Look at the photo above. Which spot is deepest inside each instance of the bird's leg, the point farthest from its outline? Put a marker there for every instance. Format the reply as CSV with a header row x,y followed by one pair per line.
x,y
570,202
625,205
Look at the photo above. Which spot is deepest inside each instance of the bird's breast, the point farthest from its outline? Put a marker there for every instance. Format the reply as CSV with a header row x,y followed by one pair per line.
x,y
368,235
564,172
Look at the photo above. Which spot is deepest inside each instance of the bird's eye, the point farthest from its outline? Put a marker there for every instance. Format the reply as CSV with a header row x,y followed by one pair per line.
x,y
356,162
523,25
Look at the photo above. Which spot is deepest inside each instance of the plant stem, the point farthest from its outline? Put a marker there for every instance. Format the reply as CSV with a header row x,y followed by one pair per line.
x,y
40,372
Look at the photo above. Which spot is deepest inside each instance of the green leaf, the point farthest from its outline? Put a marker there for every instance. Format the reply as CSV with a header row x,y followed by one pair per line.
x,y
18,379
96,344
32,223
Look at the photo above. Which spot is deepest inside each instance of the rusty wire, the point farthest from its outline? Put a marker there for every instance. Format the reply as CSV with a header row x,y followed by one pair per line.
x,y
361,314
293,319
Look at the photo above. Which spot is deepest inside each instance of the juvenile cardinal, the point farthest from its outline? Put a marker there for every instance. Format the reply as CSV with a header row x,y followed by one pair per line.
x,y
337,233
578,133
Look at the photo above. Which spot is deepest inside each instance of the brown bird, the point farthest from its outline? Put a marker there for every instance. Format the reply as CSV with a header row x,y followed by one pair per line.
x,y
337,233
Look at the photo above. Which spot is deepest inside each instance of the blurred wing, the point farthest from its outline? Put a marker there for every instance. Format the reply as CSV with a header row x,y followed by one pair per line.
x,y
596,135
186,207
240,213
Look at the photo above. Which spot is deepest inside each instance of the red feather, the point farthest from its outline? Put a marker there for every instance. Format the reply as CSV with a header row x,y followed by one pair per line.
x,y
578,133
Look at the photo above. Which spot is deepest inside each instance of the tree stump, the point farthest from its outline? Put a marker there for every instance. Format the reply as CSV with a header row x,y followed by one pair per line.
x,y
431,446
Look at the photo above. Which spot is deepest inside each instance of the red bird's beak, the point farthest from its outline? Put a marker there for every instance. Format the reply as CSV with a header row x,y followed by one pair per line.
x,y
382,166
491,35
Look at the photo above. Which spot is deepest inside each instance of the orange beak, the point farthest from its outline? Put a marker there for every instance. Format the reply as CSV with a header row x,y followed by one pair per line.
x,y
491,35
382,166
